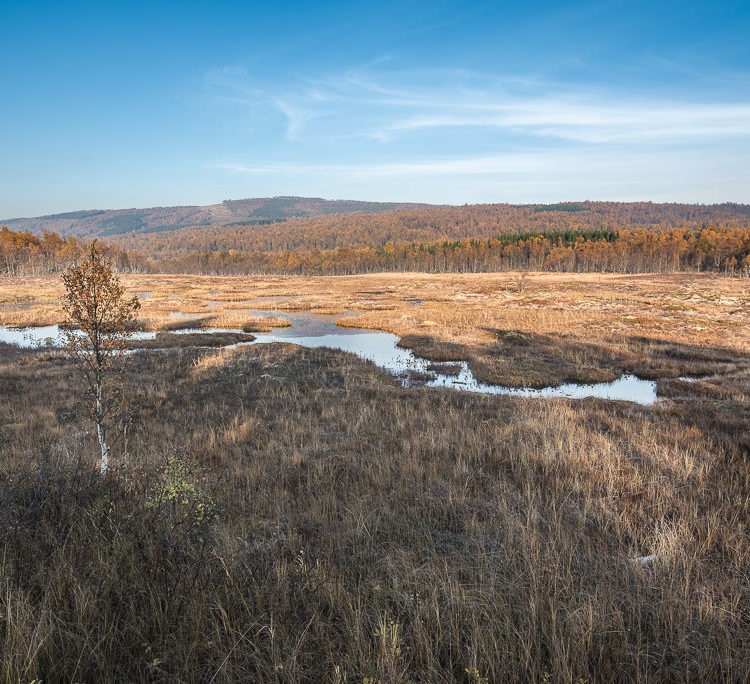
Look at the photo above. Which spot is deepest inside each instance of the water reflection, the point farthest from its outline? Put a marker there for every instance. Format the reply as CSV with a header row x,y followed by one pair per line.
x,y
47,336
381,349
315,330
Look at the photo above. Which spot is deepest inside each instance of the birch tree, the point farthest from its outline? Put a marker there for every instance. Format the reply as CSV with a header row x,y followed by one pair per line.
x,y
100,319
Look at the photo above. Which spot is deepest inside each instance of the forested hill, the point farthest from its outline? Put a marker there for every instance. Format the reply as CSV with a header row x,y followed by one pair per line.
x,y
248,212
427,224
297,224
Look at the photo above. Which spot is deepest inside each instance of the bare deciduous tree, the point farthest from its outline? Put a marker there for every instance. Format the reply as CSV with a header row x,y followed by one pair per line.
x,y
100,319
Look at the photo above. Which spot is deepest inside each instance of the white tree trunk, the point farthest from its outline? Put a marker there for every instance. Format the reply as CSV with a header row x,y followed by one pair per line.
x,y
100,431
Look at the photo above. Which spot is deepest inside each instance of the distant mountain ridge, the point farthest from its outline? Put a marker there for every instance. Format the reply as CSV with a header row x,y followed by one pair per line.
x,y
299,224
259,210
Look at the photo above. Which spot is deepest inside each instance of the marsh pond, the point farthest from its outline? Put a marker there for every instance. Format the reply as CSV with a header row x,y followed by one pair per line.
x,y
313,330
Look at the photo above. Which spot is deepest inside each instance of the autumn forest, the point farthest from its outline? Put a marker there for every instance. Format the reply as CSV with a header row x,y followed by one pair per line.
x,y
570,237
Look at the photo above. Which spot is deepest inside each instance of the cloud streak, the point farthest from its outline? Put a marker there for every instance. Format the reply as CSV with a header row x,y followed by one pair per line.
x,y
544,163
552,175
459,135
472,166
590,122
394,105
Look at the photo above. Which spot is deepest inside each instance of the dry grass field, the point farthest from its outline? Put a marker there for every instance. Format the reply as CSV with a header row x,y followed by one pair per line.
x,y
285,514
597,321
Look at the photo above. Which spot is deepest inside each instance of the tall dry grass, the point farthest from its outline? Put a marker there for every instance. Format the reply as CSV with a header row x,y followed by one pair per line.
x,y
335,527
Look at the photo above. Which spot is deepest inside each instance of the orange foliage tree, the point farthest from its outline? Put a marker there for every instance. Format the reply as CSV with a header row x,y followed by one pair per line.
x,y
100,318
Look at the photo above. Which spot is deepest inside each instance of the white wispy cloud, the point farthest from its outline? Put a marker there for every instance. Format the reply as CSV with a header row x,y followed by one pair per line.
x,y
548,175
473,166
458,135
586,122
387,105
234,85
297,116
527,163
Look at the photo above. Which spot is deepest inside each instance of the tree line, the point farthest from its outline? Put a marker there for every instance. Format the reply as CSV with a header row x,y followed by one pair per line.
x,y
23,253
719,249
723,249
358,230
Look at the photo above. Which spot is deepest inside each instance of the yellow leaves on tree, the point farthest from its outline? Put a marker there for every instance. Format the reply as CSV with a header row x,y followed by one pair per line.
x,y
100,318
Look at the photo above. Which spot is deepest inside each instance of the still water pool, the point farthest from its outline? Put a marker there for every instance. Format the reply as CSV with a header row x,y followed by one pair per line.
x,y
314,330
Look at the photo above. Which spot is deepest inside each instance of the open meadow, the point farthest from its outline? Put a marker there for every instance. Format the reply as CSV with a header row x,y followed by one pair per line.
x,y
375,343
279,513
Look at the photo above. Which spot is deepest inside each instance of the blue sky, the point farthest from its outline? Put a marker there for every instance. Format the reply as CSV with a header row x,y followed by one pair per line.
x,y
109,105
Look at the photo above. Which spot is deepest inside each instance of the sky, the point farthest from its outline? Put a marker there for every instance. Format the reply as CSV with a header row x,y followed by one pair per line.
x,y
139,104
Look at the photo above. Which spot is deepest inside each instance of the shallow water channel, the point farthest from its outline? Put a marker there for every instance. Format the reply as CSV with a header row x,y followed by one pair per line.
x,y
315,330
